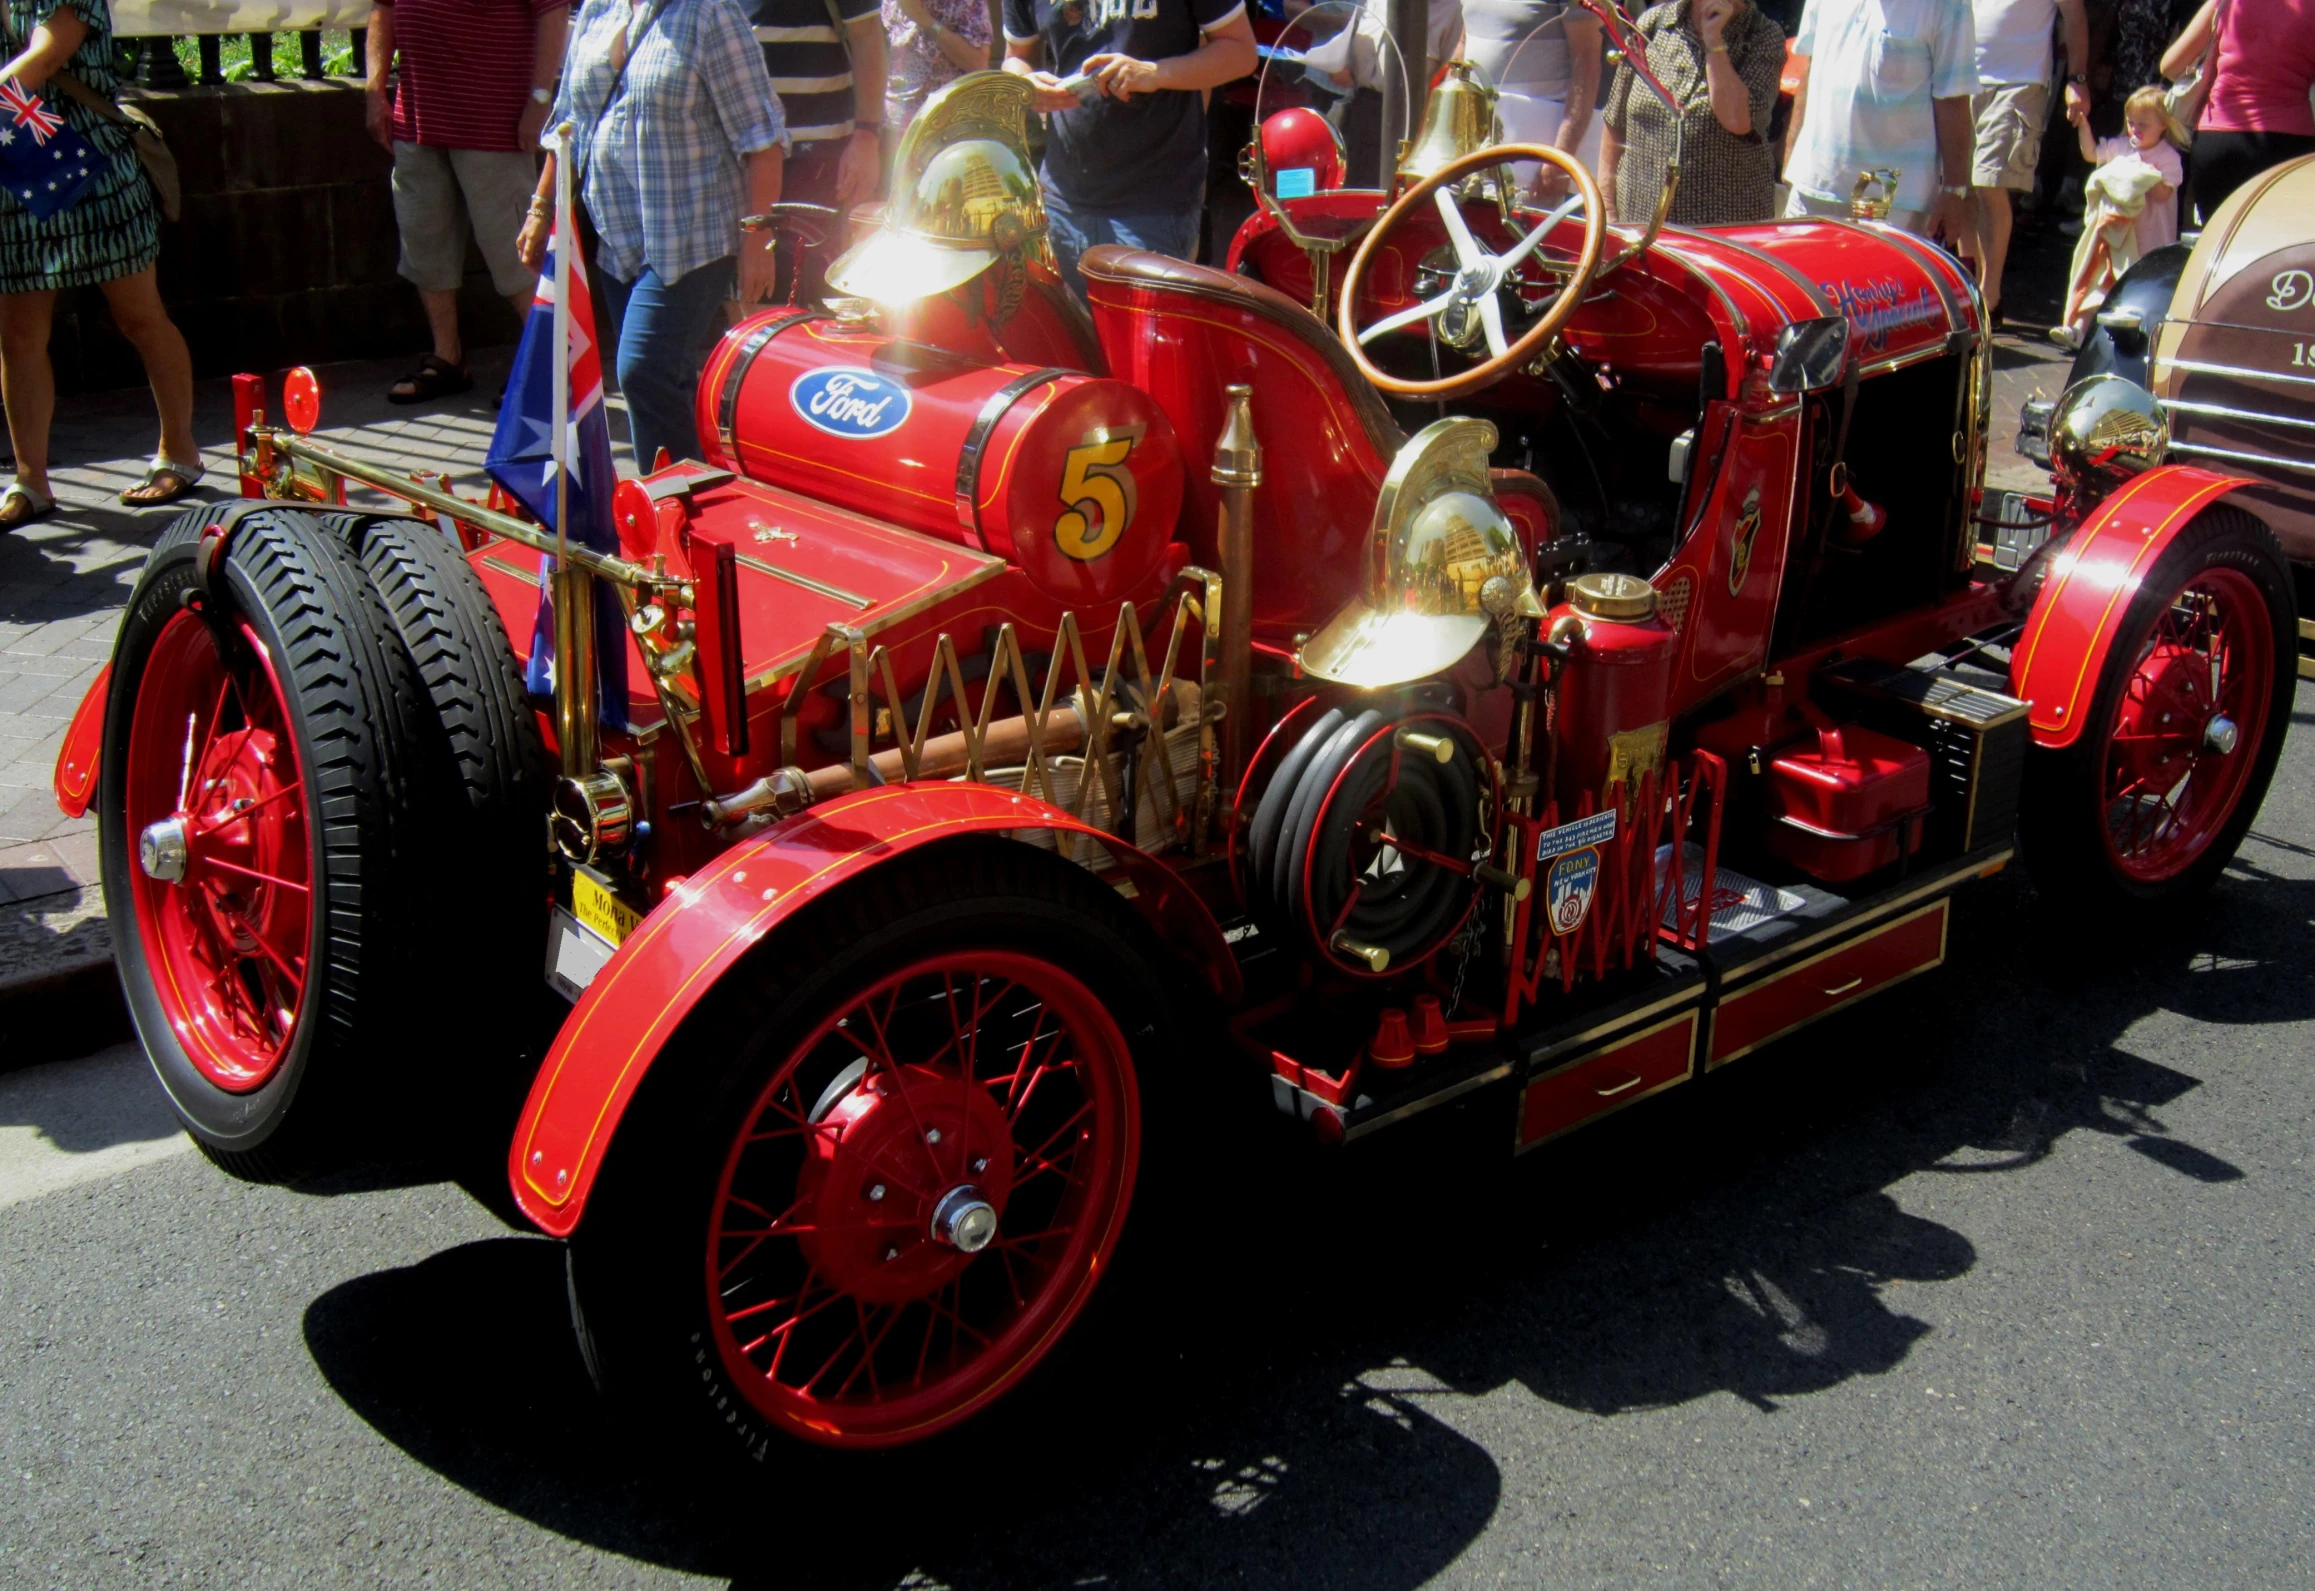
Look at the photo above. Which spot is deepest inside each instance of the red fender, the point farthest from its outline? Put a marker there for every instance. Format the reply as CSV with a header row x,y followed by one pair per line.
x,y
76,759
2089,587
712,918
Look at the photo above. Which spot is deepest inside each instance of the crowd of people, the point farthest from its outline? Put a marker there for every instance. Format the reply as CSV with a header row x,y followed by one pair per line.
x,y
692,118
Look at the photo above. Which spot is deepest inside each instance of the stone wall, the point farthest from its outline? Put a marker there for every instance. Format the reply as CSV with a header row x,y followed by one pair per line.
x,y
286,250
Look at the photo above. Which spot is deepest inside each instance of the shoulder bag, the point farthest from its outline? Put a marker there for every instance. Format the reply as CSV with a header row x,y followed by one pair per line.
x,y
153,151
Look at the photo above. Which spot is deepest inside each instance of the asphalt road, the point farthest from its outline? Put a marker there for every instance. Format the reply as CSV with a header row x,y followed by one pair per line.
x,y
2004,1280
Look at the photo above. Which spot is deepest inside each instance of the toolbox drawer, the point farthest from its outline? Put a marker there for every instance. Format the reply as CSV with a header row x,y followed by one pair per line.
x,y
1799,994
1629,1068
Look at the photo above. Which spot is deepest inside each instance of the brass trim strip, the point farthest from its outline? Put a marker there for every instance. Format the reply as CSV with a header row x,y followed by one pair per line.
x,y
527,576
1692,995
819,588
988,569
2203,450
1944,903
1623,1102
2202,367
1416,1107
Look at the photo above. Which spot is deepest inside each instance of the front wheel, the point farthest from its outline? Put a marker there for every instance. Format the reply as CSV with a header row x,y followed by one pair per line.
x,y
2150,802
872,1187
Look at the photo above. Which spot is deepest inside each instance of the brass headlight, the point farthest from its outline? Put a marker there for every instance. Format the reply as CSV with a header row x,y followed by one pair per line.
x,y
2105,430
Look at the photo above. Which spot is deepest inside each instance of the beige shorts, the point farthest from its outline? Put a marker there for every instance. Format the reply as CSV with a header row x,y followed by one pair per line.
x,y
2010,118
442,194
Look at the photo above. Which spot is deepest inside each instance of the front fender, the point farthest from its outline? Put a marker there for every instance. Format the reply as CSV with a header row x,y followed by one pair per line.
x,y
714,917
76,759
2082,603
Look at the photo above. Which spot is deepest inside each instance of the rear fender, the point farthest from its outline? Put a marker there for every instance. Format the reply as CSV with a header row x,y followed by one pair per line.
x,y
2088,591
711,919
83,740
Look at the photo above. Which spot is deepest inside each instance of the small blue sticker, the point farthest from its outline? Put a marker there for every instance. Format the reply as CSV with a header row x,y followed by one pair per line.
x,y
1597,829
847,401
1568,889
1297,182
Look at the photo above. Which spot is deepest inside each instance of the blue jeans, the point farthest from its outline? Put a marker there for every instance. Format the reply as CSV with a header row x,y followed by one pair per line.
x,y
662,330
1072,232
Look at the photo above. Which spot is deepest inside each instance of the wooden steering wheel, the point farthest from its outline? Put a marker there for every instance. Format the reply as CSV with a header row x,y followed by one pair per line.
x,y
1478,274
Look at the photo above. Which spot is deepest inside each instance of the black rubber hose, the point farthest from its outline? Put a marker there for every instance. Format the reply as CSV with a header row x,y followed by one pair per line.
x,y
1302,816
1270,811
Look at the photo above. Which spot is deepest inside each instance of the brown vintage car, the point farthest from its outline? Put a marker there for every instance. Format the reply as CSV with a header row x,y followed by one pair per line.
x,y
2223,335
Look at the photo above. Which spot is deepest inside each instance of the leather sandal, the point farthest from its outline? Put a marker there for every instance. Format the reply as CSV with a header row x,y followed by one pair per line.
x,y
36,505
165,481
435,377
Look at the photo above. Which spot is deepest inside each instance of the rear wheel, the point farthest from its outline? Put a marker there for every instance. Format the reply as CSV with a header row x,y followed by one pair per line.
x,y
255,834
869,1191
2152,799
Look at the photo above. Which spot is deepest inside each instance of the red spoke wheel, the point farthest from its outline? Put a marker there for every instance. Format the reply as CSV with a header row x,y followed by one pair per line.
x,y
256,792
911,1155
2188,720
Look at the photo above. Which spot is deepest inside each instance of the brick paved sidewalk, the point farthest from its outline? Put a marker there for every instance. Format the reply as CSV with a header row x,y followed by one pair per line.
x,y
64,581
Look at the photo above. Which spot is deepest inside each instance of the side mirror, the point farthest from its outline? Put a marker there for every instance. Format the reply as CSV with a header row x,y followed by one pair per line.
x,y
1810,355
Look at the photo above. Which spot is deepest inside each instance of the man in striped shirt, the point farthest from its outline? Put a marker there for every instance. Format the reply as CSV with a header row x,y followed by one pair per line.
x,y
831,88
462,117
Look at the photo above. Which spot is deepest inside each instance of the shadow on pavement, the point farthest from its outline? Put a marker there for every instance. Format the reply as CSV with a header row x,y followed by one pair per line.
x,y
1264,1408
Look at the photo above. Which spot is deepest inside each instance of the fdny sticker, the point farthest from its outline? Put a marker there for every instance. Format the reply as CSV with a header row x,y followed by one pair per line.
x,y
847,401
1595,830
1569,887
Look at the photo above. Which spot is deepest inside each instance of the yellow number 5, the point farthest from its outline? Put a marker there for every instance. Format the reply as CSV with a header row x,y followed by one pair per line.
x,y
1100,496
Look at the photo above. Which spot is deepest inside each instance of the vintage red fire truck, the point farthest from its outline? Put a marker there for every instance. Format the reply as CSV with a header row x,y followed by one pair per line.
x,y
1562,665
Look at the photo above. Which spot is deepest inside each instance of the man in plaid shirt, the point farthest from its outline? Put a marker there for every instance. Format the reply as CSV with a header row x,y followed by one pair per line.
x,y
668,157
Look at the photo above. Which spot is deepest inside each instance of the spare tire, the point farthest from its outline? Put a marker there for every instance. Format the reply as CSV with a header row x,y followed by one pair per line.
x,y
263,745
482,797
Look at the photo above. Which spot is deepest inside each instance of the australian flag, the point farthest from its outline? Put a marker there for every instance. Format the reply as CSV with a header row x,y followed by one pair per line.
x,y
44,164
522,459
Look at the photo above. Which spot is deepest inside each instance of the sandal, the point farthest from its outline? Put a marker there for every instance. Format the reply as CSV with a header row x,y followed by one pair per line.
x,y
151,492
435,377
37,505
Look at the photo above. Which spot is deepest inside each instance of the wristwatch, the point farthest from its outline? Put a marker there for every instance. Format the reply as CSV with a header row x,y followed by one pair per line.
x,y
542,96
1954,190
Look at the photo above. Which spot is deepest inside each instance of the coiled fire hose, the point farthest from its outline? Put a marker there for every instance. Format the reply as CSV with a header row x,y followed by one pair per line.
x,y
1364,838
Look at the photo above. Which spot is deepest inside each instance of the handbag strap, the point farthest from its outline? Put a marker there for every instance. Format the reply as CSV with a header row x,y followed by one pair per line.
x,y
89,97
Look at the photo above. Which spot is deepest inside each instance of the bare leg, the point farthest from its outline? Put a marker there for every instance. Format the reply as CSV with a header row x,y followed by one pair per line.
x,y
442,319
27,381
135,302
1993,242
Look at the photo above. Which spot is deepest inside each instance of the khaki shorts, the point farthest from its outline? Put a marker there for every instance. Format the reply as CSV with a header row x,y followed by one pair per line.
x,y
440,194
2010,118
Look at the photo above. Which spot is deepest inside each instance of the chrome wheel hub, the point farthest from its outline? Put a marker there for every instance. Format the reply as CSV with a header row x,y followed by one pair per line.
x,y
964,1219
2221,735
162,850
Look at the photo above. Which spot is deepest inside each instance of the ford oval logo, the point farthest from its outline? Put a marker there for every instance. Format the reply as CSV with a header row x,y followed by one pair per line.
x,y
847,401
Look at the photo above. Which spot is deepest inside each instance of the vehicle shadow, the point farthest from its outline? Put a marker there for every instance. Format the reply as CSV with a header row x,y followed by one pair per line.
x,y
1274,1399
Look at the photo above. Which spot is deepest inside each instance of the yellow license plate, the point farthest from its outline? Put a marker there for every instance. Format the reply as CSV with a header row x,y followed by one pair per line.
x,y
593,903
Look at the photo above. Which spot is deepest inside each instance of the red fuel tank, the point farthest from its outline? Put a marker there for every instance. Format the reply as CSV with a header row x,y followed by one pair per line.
x,y
1074,479
1616,685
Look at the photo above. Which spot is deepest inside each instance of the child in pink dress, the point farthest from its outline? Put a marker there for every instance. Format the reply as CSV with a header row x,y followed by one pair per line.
x,y
2131,204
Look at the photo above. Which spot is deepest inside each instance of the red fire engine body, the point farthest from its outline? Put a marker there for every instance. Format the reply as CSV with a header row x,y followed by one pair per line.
x,y
1015,693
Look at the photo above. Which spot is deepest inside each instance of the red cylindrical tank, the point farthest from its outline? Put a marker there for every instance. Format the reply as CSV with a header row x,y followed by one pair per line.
x,y
1074,479
1617,680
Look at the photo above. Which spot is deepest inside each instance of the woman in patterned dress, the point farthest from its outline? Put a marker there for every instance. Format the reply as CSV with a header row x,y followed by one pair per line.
x,y
934,42
108,238
1719,60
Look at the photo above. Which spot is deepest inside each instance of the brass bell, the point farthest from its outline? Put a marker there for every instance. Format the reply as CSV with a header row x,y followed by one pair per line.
x,y
1459,118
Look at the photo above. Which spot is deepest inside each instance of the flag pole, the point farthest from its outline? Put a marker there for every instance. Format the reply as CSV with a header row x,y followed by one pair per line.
x,y
576,710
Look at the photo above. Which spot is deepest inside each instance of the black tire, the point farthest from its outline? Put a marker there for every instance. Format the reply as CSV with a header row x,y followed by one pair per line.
x,y
353,708
2063,813
637,1298
482,803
